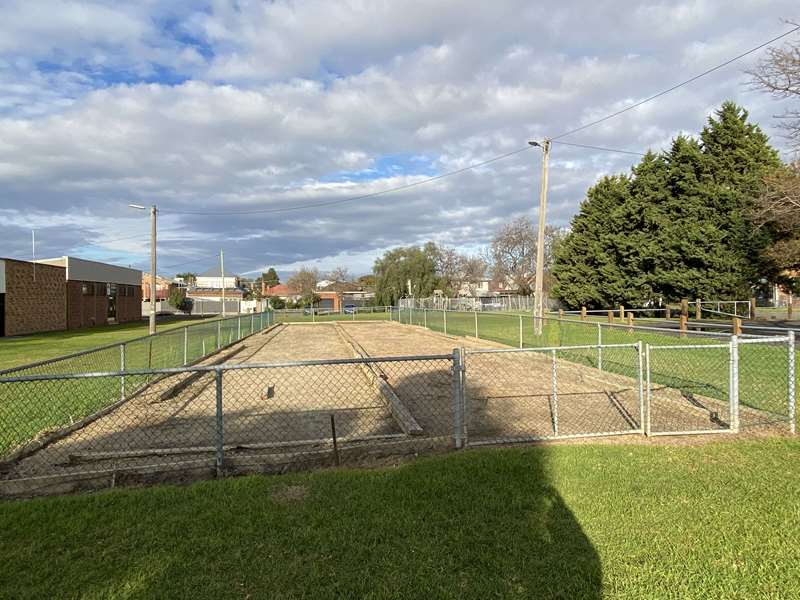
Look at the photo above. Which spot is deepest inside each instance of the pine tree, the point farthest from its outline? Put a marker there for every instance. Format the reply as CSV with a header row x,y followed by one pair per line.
x,y
739,158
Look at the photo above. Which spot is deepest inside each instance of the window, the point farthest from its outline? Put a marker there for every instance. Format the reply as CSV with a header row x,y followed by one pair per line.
x,y
86,289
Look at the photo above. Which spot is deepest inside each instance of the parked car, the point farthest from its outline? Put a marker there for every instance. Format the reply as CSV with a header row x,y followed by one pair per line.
x,y
350,309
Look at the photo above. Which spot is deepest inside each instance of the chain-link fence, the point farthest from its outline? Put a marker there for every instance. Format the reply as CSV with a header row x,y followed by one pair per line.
x,y
231,418
226,417
321,315
552,393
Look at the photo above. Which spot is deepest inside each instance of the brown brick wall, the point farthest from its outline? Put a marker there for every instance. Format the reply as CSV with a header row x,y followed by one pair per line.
x,y
86,311
129,308
33,306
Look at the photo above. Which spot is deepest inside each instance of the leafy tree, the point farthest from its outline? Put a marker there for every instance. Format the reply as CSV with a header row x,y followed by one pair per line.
x,y
276,302
397,267
680,225
367,281
270,278
178,300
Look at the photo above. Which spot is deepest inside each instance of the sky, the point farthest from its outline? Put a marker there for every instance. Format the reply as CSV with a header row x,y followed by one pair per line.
x,y
233,117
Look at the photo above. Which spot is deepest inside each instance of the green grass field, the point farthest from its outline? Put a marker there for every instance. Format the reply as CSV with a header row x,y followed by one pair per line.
x,y
582,521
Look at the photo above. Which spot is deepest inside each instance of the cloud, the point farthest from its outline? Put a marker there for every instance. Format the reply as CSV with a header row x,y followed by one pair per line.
x,y
252,105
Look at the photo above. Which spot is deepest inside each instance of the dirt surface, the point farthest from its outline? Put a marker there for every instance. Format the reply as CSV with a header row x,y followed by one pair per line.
x,y
277,418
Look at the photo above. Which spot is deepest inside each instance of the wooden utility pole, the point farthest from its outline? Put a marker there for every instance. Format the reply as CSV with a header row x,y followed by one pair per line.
x,y
538,292
222,272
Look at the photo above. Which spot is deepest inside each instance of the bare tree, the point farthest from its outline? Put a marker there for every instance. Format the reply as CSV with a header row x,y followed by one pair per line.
x,y
305,282
778,209
779,74
340,275
513,253
472,271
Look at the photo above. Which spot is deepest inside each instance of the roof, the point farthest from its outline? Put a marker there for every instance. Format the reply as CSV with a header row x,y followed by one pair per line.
x,y
215,272
280,290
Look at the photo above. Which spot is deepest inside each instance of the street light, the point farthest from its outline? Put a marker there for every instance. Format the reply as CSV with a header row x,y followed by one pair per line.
x,y
538,292
153,212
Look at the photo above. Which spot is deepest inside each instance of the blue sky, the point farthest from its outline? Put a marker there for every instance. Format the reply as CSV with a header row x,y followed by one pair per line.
x,y
224,107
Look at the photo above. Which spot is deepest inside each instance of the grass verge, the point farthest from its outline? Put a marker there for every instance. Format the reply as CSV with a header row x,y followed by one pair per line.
x,y
582,521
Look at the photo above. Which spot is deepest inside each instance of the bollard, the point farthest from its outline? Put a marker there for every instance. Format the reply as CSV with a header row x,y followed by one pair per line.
x,y
685,307
630,321
667,314
737,326
611,316
698,311
583,313
560,313
752,312
683,325
621,312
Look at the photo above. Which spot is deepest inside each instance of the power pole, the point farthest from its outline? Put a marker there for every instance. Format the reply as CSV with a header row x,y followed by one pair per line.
x,y
538,292
153,212
222,271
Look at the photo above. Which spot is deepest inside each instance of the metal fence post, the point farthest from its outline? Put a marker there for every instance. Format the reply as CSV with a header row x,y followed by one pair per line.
x,y
458,415
238,328
641,384
220,424
261,321
520,331
792,384
648,395
219,335
185,345
444,312
425,317
733,386
122,370
599,347
252,323
476,323
555,394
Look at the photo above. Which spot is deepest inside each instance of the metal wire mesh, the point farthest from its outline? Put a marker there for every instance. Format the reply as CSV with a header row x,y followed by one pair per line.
x,y
533,394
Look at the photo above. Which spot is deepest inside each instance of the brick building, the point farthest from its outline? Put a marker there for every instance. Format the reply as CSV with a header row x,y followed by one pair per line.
x,y
98,293
32,297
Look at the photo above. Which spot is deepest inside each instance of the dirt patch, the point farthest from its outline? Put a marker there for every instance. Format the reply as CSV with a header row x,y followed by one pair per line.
x,y
289,494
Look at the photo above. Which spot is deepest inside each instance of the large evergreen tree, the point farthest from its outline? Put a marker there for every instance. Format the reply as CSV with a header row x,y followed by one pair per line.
x,y
679,226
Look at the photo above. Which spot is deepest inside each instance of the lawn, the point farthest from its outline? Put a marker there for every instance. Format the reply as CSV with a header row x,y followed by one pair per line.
x,y
15,351
579,521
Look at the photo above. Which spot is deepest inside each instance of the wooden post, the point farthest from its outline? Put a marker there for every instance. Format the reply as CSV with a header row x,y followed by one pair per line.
x,y
667,314
698,313
789,307
737,326
630,321
752,308
684,307
583,313
683,326
611,316
621,312
560,313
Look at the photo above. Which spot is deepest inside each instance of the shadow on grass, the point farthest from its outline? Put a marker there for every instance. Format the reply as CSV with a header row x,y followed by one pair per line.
x,y
474,525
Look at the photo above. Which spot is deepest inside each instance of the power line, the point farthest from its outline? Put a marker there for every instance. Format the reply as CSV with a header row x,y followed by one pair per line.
x,y
599,148
352,198
676,86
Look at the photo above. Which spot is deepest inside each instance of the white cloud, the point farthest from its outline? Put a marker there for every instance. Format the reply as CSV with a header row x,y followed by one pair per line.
x,y
270,100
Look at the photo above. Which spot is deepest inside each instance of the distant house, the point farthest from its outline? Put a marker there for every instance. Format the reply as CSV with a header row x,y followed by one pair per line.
x,y
163,287
281,290
213,279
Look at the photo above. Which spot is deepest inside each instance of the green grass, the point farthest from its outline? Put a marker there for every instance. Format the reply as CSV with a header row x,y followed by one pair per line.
x,y
585,521
22,350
